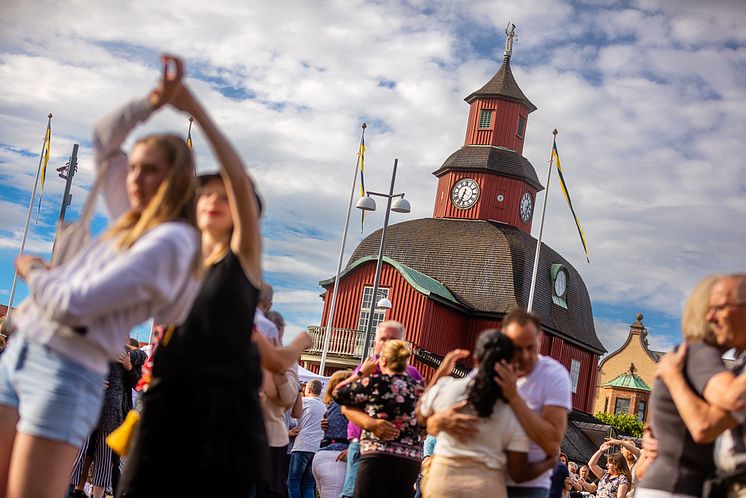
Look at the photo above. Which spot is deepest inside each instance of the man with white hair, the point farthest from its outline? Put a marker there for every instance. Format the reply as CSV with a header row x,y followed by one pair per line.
x,y
722,412
385,331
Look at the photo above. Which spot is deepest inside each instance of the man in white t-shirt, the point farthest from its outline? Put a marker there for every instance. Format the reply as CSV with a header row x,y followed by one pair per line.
x,y
300,477
538,390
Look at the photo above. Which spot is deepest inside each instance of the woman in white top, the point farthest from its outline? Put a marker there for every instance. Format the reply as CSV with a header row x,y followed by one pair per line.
x,y
478,467
78,315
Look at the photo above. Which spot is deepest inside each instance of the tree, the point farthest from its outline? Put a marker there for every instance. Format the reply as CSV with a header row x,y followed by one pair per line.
x,y
624,423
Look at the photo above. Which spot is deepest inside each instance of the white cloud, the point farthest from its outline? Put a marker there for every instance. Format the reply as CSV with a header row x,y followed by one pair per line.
x,y
649,99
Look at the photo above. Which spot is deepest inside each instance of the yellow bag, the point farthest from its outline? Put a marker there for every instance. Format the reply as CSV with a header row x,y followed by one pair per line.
x,y
121,437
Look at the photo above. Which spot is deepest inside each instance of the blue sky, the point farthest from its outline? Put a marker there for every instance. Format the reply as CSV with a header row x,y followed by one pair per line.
x,y
648,97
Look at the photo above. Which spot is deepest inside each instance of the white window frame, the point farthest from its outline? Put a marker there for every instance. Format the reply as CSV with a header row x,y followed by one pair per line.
x,y
378,315
575,366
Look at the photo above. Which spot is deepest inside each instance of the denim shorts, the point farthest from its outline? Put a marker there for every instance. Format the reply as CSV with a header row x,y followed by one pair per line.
x,y
56,398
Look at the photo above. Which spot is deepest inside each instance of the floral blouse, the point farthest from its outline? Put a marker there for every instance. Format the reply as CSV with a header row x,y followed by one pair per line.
x,y
608,485
392,398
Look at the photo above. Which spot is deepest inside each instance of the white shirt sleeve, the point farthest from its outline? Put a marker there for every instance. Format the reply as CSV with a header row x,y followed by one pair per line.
x,y
557,387
108,136
427,401
153,270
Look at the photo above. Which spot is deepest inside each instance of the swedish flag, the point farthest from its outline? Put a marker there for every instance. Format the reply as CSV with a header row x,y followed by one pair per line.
x,y
555,156
361,165
47,146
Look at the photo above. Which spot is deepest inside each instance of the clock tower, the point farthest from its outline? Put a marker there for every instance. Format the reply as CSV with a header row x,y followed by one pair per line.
x,y
488,178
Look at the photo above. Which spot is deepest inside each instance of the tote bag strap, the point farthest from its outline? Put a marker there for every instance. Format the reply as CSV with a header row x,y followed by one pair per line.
x,y
90,202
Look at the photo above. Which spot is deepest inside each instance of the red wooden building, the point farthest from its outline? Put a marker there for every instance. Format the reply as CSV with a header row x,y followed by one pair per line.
x,y
453,275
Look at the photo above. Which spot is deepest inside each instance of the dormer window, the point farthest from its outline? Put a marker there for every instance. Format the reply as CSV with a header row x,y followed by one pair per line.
x,y
560,283
521,126
485,119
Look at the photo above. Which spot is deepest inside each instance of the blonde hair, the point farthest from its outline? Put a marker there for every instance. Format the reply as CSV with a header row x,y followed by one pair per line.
x,y
335,379
694,324
174,200
396,353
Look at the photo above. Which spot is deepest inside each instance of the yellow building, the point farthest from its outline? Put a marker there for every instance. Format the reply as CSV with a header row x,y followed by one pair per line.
x,y
626,376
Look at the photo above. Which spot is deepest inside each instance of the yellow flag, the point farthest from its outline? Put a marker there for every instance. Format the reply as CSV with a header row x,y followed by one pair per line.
x,y
563,185
45,161
361,162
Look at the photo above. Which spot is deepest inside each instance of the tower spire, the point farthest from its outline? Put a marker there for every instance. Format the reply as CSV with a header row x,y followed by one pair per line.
x,y
509,37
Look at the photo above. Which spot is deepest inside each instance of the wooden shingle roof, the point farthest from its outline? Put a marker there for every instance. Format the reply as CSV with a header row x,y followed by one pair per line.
x,y
503,85
487,267
499,160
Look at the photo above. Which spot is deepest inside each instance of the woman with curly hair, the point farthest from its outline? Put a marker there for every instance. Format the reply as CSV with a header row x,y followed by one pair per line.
x,y
479,466
388,468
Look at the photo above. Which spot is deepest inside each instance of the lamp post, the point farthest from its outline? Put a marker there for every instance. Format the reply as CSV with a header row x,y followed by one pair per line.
x,y
400,205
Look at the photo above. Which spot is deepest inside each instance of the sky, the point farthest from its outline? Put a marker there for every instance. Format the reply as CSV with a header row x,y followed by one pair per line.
x,y
649,98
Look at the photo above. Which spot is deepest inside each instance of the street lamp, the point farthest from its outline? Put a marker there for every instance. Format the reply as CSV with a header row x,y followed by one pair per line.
x,y
400,205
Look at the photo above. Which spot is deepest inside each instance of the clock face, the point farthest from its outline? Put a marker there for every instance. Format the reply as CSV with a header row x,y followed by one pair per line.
x,y
465,193
526,207
560,283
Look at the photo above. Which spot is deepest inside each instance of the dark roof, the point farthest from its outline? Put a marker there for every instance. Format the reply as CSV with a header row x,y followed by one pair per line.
x,y
503,85
487,267
421,282
497,159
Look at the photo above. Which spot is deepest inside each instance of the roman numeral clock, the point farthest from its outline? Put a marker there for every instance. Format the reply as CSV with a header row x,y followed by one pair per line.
x,y
465,193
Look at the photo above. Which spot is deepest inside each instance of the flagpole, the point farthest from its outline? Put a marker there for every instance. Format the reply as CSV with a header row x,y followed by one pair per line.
x,y
28,217
541,226
328,332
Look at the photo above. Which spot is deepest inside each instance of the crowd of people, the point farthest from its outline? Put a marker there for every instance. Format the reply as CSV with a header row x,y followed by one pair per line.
x,y
220,408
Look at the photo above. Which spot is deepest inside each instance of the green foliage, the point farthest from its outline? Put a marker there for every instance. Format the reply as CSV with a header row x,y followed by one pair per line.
x,y
624,423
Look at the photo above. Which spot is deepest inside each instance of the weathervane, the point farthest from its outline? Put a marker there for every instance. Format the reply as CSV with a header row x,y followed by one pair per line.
x,y
509,38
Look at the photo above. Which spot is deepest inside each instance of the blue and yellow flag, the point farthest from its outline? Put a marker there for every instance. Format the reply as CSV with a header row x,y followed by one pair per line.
x,y
45,161
361,165
189,134
555,155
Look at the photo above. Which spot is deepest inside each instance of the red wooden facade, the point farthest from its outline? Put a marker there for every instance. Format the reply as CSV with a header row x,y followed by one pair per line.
x,y
488,206
503,130
439,328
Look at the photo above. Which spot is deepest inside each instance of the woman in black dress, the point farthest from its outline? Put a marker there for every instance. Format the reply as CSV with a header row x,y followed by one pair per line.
x,y
202,431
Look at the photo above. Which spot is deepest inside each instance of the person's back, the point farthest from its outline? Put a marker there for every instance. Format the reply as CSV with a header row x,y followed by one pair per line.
x,y
310,435
494,435
682,465
301,481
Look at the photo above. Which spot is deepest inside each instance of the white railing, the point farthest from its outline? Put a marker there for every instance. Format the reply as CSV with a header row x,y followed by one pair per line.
x,y
347,343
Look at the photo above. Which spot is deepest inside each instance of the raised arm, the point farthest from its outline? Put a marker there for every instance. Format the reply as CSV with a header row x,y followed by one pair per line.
x,y
627,444
277,359
108,157
112,130
246,239
448,364
593,462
